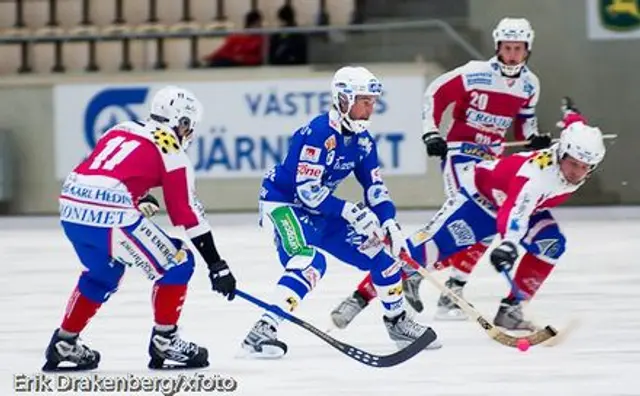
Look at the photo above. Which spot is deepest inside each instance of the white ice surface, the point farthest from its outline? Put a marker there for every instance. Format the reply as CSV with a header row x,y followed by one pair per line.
x,y
598,282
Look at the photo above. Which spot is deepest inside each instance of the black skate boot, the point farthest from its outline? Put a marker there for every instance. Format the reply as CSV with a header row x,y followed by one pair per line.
x,y
69,350
411,287
404,330
511,317
348,309
262,342
167,345
447,309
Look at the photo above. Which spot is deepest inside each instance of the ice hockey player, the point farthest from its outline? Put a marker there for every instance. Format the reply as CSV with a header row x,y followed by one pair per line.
x,y
489,98
99,216
297,201
512,197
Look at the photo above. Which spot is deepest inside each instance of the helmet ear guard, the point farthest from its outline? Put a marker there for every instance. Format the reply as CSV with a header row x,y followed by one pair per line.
x,y
349,83
178,109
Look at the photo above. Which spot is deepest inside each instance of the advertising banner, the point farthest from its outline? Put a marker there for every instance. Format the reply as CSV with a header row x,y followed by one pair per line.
x,y
246,124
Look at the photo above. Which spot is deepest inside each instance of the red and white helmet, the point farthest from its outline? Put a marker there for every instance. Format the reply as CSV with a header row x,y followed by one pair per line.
x,y
349,82
513,29
582,142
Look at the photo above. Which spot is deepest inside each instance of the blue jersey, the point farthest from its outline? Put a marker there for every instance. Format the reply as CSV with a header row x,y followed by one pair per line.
x,y
320,157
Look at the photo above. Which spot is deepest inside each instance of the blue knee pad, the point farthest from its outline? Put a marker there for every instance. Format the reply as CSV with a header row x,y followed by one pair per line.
x,y
180,274
99,284
302,273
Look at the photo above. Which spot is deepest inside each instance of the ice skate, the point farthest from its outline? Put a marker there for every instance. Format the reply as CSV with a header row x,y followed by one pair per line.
x,y
511,317
348,309
69,350
262,342
447,309
411,287
404,330
167,345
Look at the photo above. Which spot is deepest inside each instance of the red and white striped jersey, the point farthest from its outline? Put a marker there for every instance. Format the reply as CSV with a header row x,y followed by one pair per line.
x,y
486,104
129,160
520,185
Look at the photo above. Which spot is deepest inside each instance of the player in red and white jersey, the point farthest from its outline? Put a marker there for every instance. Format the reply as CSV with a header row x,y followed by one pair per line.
x,y
100,212
511,198
489,98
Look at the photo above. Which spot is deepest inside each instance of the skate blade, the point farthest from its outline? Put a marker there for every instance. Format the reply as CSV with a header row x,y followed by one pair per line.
x,y
432,346
269,352
177,366
53,367
455,315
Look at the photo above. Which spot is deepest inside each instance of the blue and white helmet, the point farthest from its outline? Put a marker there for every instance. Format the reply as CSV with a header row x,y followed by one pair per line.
x,y
175,107
348,83
513,29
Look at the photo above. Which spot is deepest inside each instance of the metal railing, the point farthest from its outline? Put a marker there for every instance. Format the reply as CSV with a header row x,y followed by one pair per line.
x,y
192,32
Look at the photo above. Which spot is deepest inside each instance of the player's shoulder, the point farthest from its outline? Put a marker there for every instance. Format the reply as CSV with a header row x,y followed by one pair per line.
x,y
530,79
476,73
537,163
318,129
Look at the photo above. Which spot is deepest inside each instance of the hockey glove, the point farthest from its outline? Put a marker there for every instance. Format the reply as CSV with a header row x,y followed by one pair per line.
x,y
504,256
395,236
436,145
362,219
539,142
222,280
148,205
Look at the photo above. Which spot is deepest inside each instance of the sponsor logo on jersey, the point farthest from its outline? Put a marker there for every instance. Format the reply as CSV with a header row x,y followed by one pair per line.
x,y
330,143
87,215
462,233
487,119
292,302
330,156
365,144
341,165
166,141
543,159
310,153
395,291
309,172
376,177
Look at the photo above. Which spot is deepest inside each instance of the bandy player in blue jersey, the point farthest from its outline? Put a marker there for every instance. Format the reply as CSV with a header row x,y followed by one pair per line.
x,y
297,199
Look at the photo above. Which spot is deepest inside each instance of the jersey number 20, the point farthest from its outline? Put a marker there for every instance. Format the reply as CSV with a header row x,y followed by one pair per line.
x,y
479,100
113,153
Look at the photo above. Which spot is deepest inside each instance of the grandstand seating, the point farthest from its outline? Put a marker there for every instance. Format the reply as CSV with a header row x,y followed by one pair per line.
x,y
27,20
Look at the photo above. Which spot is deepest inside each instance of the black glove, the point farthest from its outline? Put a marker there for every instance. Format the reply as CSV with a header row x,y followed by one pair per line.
x,y
222,280
538,142
504,256
148,205
436,145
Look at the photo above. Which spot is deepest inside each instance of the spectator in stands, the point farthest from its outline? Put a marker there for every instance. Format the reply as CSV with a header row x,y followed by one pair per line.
x,y
287,48
241,49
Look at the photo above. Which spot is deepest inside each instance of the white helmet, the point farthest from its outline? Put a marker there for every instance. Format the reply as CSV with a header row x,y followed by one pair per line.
x,y
513,29
174,107
582,142
349,82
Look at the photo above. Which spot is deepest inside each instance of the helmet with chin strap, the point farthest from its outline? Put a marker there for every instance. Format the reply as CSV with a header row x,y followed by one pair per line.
x,y
348,83
177,107
513,29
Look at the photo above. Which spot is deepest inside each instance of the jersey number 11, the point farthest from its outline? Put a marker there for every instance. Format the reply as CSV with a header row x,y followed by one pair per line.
x,y
113,153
